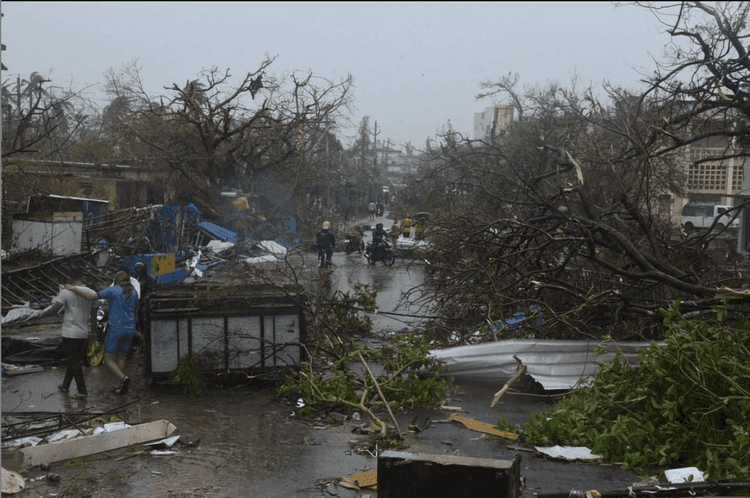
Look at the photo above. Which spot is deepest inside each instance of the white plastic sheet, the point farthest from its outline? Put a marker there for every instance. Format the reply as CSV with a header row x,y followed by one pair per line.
x,y
568,452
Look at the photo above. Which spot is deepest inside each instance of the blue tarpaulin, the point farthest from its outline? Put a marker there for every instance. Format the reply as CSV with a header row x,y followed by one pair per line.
x,y
221,233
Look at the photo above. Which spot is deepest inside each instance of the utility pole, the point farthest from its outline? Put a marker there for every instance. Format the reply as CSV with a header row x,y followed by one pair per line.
x,y
375,146
373,193
2,111
375,160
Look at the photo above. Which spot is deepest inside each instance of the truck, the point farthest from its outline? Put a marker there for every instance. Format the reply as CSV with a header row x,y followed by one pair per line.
x,y
696,215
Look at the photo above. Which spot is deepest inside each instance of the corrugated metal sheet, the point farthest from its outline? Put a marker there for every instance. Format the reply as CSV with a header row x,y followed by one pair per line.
x,y
556,365
218,231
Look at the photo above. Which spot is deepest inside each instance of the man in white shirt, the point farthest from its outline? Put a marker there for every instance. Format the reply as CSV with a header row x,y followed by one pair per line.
x,y
78,329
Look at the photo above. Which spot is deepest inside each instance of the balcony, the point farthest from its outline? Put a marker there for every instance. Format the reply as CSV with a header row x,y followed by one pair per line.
x,y
703,153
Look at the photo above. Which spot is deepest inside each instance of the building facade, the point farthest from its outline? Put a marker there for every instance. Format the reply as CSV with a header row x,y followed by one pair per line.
x,y
499,116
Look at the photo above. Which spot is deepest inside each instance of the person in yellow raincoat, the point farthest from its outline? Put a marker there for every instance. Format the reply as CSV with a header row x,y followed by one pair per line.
x,y
406,227
395,232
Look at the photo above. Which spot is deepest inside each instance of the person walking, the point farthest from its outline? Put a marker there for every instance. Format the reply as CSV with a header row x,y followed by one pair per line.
x,y
147,286
123,306
395,231
406,227
355,233
78,331
326,243
371,207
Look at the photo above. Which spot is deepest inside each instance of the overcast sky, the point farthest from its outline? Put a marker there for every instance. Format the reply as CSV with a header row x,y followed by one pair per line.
x,y
416,66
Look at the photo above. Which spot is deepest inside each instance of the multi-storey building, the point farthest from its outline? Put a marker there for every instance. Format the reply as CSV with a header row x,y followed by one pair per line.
x,y
500,116
716,174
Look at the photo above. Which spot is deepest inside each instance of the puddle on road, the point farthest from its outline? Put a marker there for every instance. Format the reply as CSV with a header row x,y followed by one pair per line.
x,y
392,282
245,436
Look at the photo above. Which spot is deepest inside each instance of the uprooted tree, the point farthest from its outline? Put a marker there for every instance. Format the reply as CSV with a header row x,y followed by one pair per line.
x,y
568,211
686,404
215,131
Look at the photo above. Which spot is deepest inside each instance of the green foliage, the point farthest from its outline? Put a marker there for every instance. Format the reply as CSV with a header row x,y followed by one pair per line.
x,y
344,315
191,372
688,403
504,425
394,444
75,463
335,374
400,382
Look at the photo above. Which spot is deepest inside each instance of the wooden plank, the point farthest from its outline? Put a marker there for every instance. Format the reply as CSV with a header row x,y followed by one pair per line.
x,y
362,480
90,445
476,425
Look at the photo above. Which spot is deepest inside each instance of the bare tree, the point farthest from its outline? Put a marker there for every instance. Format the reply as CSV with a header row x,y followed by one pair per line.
x,y
211,130
568,214
38,123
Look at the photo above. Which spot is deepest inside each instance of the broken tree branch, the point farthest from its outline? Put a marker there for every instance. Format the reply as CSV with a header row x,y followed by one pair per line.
x,y
520,370
380,392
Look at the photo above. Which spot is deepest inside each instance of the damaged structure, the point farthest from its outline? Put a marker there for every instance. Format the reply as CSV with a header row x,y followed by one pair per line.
x,y
246,328
232,326
555,364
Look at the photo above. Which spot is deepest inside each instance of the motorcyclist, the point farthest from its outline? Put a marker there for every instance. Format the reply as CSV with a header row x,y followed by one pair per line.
x,y
354,232
326,243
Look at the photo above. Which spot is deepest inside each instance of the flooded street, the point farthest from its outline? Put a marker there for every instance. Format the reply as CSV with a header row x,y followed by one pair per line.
x,y
242,441
397,285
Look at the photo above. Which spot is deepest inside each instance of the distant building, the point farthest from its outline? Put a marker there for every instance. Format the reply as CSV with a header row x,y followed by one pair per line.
x,y
500,116
394,164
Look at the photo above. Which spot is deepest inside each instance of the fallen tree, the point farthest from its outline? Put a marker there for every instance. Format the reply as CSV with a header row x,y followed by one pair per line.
x,y
687,403
338,372
340,369
575,207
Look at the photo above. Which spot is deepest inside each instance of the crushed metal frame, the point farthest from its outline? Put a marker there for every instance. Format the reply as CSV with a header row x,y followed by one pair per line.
x,y
40,284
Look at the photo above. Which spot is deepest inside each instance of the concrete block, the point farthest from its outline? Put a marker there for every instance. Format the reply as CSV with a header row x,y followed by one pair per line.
x,y
414,475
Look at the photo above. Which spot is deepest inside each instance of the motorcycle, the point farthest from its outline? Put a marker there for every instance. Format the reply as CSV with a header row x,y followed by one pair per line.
x,y
351,244
324,259
381,252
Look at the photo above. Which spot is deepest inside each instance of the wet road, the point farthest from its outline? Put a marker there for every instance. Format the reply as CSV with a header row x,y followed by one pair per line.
x,y
401,301
398,300
249,444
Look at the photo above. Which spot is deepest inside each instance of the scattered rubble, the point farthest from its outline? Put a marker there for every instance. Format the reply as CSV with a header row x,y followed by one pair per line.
x,y
78,442
570,453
